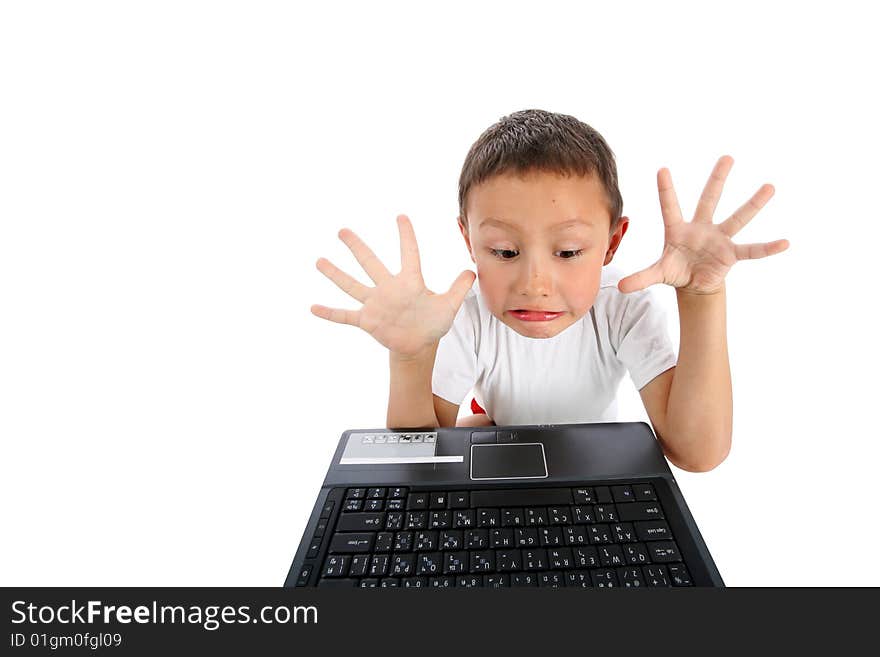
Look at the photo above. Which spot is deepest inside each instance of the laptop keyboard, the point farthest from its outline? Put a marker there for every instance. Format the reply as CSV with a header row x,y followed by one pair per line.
x,y
582,536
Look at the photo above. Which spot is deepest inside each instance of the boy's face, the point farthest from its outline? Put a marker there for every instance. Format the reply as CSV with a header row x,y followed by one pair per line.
x,y
539,241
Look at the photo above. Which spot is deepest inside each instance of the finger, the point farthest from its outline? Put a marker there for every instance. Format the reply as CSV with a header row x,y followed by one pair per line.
x,y
641,280
668,200
754,251
733,224
712,191
409,248
345,282
338,315
459,288
371,264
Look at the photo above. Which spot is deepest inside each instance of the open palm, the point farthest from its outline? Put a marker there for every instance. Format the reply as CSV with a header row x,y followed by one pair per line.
x,y
400,312
697,255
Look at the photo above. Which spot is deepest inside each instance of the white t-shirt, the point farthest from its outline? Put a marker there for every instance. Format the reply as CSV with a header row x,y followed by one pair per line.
x,y
570,378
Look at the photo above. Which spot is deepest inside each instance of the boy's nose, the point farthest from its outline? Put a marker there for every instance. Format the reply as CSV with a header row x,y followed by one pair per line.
x,y
536,279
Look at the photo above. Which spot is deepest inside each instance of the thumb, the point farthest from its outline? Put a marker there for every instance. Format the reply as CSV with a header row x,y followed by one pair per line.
x,y
640,280
460,287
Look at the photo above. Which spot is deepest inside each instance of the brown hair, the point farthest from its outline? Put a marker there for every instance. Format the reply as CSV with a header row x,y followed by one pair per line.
x,y
537,140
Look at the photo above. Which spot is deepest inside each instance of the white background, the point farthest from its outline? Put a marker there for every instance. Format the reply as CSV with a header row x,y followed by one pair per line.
x,y
171,171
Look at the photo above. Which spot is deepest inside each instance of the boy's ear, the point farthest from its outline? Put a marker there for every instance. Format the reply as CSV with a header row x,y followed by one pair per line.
x,y
467,239
615,239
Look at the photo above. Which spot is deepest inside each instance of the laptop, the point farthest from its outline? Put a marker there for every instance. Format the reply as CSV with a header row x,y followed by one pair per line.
x,y
549,505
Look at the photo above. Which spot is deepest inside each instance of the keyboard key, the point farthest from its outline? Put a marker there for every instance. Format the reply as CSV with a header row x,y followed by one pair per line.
x,y
426,541
430,563
459,500
576,535
384,541
359,565
560,558
350,542
512,518
611,555
464,519
630,577
403,564
644,492
488,518
624,532
438,500
455,563
508,560
482,561
636,554
335,566
359,493
552,579
679,575
521,497
440,520
373,505
403,542
338,583
349,522
599,534
389,582
417,501
523,579
550,536
414,582
559,515
585,557
476,539
652,530
451,539
501,538
604,578
656,575
398,493
640,511
469,581
376,493
353,505
527,537
327,509
622,494
496,581
416,519
578,578
663,551
304,574
603,495
441,582
536,516
535,559
379,565
584,495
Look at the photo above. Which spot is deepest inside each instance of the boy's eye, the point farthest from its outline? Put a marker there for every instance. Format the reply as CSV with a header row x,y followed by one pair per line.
x,y
504,254
570,254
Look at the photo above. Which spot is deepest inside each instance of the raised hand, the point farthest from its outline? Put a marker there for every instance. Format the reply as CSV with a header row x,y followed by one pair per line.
x,y
697,255
400,312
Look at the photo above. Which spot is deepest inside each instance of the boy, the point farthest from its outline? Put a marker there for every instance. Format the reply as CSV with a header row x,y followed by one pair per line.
x,y
547,333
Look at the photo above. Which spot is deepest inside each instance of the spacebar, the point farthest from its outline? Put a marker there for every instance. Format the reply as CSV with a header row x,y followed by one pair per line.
x,y
521,497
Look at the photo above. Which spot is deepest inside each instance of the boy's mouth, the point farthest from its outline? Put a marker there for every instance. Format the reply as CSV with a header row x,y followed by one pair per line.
x,y
534,315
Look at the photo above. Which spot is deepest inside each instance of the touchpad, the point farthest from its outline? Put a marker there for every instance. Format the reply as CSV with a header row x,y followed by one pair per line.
x,y
508,461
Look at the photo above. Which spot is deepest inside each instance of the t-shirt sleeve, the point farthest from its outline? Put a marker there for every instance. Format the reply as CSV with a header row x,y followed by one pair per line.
x,y
644,346
455,367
